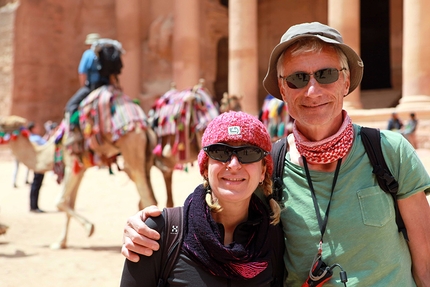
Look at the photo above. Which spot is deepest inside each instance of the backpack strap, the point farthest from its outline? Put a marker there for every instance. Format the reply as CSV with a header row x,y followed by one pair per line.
x,y
279,150
371,139
173,235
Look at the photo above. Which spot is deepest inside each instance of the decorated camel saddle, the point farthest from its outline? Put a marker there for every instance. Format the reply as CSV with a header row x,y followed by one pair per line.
x,y
179,118
106,115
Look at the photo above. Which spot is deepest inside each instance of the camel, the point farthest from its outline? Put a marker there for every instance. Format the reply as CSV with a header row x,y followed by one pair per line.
x,y
131,138
179,118
23,150
35,157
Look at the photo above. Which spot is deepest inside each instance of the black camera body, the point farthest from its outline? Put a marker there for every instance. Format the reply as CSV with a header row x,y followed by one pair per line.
x,y
319,274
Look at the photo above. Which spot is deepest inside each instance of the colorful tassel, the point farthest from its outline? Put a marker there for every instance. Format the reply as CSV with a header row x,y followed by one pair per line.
x,y
76,166
175,148
181,146
157,150
25,133
167,150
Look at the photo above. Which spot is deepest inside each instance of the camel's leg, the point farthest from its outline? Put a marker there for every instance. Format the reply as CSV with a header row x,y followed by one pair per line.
x,y
136,162
167,174
66,203
148,165
62,242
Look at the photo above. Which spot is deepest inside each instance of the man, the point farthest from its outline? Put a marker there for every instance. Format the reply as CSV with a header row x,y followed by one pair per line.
x,y
38,177
89,78
335,210
394,123
409,132
87,70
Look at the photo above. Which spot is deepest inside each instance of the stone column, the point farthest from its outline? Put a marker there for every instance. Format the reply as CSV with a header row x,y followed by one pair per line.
x,y
242,63
128,33
416,56
186,43
344,16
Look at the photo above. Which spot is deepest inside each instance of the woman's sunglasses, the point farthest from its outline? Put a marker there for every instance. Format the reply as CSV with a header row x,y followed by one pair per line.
x,y
245,154
300,80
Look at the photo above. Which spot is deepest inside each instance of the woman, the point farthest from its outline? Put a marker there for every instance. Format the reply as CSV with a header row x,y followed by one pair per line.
x,y
231,236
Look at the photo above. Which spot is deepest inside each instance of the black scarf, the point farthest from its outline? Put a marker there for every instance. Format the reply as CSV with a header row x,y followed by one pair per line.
x,y
203,242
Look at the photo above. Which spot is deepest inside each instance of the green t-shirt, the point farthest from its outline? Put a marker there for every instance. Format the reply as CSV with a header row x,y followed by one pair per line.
x,y
361,234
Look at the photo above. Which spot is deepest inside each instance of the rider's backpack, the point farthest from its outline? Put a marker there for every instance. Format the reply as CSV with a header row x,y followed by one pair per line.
x,y
109,53
110,61
372,143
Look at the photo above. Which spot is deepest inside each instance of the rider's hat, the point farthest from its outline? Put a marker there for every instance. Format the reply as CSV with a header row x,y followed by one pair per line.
x,y
91,38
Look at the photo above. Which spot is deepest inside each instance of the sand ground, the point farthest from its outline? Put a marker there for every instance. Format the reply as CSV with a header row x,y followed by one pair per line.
x,y
106,200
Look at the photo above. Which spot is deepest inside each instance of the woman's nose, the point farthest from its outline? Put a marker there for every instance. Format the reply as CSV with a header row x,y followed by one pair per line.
x,y
234,162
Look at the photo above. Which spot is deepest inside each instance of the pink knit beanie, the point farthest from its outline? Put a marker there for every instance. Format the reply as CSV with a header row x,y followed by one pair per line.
x,y
233,127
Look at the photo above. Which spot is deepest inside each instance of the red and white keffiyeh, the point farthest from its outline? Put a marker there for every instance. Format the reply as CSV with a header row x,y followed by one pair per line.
x,y
327,150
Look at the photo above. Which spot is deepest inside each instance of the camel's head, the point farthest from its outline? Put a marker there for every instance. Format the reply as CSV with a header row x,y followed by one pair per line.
x,y
10,123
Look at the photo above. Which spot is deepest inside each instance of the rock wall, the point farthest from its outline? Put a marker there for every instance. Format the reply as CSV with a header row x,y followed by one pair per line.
x,y
48,43
157,48
274,18
46,38
41,42
7,18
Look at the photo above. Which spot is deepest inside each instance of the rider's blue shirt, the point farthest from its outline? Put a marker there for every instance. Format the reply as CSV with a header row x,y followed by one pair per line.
x,y
88,66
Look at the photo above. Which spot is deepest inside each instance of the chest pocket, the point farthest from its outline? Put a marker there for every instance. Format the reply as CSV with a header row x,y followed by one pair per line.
x,y
376,206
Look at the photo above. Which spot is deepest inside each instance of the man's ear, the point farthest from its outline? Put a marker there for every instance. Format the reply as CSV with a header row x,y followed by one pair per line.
x,y
347,89
347,85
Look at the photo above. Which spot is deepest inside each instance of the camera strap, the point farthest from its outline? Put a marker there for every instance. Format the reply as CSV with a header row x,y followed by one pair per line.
x,y
321,272
321,223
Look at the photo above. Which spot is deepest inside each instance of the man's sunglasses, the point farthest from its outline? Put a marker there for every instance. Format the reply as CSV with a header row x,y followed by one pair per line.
x,y
300,80
245,154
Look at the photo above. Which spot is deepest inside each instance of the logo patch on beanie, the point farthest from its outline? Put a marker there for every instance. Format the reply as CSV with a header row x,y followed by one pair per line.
x,y
234,130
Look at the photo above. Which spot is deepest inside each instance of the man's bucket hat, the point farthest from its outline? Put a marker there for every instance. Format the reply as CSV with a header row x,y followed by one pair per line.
x,y
91,38
322,32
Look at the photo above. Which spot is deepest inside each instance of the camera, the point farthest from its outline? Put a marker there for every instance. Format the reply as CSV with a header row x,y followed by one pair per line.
x,y
319,274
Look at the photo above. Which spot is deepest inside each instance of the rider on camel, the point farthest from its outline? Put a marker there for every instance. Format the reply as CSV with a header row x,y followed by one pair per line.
x,y
100,65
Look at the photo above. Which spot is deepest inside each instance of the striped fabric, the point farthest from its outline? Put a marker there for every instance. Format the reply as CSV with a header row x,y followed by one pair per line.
x,y
108,111
181,114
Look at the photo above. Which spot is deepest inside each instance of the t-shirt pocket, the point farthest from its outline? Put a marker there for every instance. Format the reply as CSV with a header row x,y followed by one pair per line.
x,y
376,206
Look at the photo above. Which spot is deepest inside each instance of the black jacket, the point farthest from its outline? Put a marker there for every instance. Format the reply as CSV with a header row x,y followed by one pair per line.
x,y
187,273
